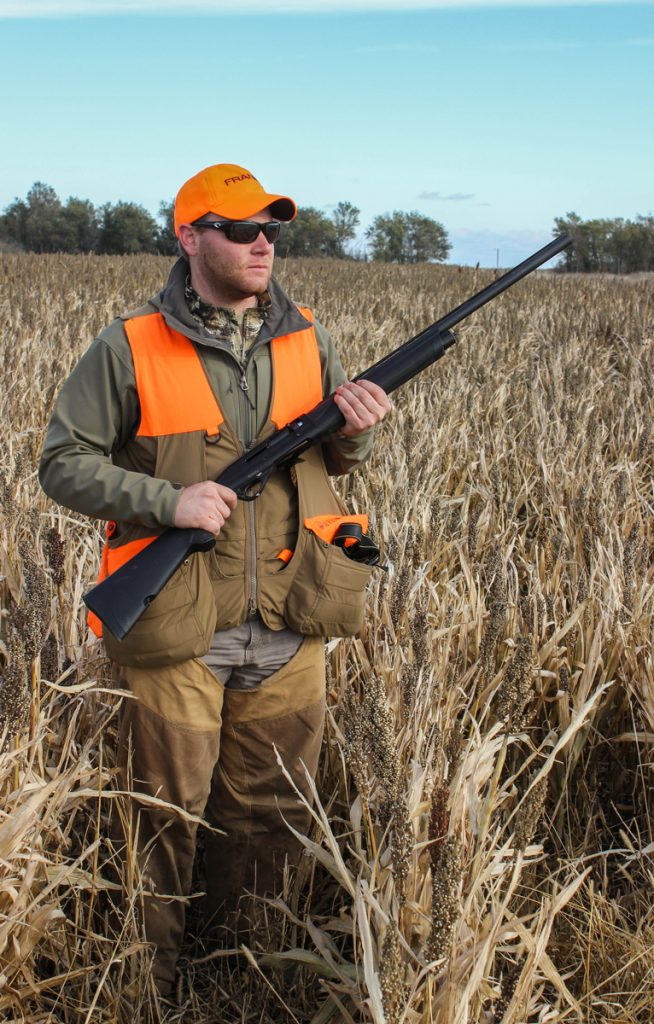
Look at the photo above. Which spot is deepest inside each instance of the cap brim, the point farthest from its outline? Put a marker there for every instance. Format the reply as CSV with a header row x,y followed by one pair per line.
x,y
281,207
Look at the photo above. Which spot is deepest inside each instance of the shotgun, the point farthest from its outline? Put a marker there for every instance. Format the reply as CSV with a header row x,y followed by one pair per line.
x,y
120,600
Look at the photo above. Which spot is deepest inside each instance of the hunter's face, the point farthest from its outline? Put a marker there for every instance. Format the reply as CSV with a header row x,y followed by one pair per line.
x,y
239,269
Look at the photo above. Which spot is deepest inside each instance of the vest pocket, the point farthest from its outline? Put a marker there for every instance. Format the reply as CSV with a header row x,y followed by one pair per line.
x,y
327,594
178,624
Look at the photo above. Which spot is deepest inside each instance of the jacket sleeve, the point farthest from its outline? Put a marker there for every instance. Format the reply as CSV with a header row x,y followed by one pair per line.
x,y
342,454
96,412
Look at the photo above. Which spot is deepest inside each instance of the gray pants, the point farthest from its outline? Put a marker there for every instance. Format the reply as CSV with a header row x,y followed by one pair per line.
x,y
243,656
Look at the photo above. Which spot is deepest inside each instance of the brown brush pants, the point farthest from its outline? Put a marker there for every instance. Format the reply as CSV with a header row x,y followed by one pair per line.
x,y
188,740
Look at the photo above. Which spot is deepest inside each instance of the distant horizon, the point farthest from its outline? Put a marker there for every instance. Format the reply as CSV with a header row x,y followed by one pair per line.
x,y
491,118
359,243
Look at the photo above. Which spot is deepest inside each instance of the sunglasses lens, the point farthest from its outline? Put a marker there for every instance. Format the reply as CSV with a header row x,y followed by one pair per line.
x,y
243,231
271,230
246,231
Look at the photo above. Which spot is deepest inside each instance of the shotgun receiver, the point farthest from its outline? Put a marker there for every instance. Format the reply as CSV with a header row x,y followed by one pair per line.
x,y
120,600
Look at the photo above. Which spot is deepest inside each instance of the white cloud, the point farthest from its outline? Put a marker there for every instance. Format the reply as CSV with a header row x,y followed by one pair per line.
x,y
55,8
451,195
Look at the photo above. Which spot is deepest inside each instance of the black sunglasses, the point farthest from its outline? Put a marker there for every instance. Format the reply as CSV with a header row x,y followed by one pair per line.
x,y
243,231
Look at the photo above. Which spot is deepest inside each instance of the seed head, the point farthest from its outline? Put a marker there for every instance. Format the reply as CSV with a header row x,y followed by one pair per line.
x,y
435,517
32,618
408,687
370,738
550,615
453,749
419,631
380,738
355,745
582,586
391,976
6,497
557,541
445,884
497,599
439,822
14,685
508,985
644,440
17,469
587,545
400,593
50,658
401,842
529,815
621,489
516,686
473,520
628,567
54,546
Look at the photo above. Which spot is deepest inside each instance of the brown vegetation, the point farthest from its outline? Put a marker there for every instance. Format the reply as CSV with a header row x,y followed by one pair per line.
x,y
481,849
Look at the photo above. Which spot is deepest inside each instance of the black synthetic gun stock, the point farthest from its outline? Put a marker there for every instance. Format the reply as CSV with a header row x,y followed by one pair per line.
x,y
120,600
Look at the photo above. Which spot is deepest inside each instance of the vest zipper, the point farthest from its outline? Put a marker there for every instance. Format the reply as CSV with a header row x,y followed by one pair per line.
x,y
250,515
252,582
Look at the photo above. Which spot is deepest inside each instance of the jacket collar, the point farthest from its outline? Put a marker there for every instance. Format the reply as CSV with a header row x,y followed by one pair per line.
x,y
282,315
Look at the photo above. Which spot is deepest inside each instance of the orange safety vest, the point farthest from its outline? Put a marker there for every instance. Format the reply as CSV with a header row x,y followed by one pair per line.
x,y
176,397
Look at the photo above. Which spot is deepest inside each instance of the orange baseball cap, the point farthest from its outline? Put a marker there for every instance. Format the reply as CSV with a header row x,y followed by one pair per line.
x,y
229,191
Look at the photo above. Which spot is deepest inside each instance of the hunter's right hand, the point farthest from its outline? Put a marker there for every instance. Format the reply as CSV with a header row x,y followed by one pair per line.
x,y
206,505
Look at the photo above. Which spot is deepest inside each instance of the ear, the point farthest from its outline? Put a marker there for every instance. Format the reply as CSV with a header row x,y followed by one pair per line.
x,y
188,239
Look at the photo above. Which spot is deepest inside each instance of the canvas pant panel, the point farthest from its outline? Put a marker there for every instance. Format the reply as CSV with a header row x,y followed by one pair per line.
x,y
250,798
249,792
170,736
187,694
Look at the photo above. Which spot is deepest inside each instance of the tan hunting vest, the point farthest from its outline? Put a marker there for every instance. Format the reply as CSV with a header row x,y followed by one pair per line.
x,y
262,560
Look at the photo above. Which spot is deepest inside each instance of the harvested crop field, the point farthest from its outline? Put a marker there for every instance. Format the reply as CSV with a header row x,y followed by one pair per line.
x,y
482,846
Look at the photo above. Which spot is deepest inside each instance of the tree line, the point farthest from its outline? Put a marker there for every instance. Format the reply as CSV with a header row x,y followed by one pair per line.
x,y
615,246
43,223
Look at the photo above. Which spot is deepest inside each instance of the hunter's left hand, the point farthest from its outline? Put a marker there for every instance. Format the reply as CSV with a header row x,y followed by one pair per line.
x,y
363,404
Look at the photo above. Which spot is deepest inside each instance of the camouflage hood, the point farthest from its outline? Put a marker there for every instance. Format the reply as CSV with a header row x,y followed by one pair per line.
x,y
281,316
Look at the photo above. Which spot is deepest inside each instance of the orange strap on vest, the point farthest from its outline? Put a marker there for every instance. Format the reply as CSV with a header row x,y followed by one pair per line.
x,y
297,374
174,393
165,377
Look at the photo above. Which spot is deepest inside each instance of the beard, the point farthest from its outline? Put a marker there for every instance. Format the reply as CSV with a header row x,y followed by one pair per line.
x,y
231,277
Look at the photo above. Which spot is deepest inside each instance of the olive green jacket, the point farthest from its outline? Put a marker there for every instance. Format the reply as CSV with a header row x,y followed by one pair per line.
x,y
87,463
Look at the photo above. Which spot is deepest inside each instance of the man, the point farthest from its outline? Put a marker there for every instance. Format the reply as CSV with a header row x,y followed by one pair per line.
x,y
228,660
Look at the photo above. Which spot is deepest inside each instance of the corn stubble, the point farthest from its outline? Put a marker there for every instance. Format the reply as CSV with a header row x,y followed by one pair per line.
x,y
480,850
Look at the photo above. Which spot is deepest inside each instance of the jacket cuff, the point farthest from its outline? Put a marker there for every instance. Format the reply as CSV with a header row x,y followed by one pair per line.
x,y
169,503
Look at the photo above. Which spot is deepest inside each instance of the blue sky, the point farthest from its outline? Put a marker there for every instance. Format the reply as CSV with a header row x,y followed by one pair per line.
x,y
491,118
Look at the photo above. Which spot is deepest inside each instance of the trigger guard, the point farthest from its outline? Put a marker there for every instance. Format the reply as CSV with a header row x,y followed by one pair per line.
x,y
246,496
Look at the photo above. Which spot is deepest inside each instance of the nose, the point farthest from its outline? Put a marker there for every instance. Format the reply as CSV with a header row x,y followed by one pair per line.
x,y
261,244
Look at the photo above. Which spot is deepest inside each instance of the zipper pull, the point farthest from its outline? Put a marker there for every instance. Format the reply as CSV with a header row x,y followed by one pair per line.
x,y
243,384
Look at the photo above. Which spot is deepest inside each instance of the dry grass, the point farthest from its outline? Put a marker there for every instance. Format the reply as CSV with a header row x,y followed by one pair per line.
x,y
482,845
